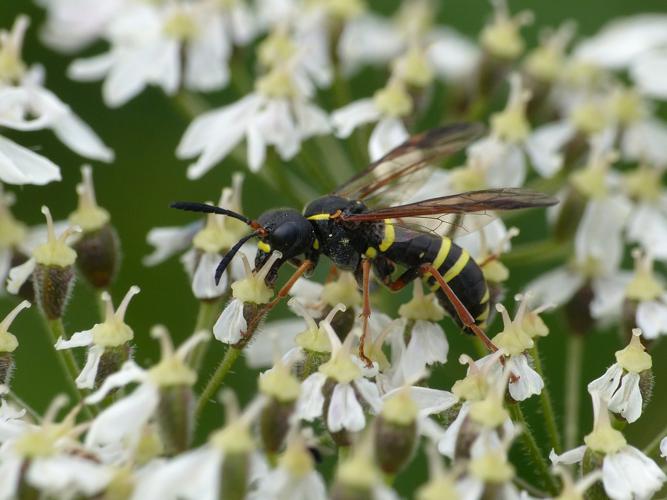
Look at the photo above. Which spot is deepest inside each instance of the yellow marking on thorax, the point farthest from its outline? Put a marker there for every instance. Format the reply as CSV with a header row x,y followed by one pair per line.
x,y
371,252
458,266
389,236
264,247
316,244
320,217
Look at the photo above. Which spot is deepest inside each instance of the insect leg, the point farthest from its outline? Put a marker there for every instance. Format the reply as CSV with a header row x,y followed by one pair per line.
x,y
461,310
407,277
366,311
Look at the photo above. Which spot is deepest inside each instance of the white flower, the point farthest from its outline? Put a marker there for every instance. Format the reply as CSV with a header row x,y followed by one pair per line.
x,y
619,385
346,370
218,235
295,477
231,325
626,472
388,106
124,420
148,40
72,24
635,43
112,334
45,455
198,474
598,253
663,447
26,105
278,113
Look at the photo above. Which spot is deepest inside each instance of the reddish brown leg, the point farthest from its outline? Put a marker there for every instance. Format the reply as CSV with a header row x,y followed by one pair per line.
x,y
366,311
332,274
461,311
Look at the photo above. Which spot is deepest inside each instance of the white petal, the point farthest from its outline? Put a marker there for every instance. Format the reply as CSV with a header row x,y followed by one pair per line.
x,y
554,287
648,226
311,400
19,275
349,117
169,241
231,323
256,148
646,141
368,39
608,295
86,379
387,134
607,384
345,412
80,138
193,475
628,398
274,338
630,474
311,120
529,384
370,392
649,73
572,456
447,445
277,126
10,474
124,419
63,473
128,373
621,41
203,281
652,318
663,447
453,56
90,69
429,401
544,146
19,165
78,339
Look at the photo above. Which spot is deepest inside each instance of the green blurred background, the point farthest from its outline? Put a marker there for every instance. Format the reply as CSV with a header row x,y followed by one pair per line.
x,y
146,176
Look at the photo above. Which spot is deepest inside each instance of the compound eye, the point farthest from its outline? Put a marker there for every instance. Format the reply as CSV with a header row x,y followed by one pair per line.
x,y
285,236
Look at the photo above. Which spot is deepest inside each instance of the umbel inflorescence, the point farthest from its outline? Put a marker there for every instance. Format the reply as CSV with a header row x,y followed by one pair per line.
x,y
350,400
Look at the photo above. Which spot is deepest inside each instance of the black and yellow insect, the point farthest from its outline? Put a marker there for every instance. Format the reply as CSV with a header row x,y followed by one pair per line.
x,y
357,237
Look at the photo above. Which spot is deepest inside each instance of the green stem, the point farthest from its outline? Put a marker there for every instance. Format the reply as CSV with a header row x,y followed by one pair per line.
x,y
536,252
218,377
575,350
101,305
654,445
68,364
209,310
546,403
532,450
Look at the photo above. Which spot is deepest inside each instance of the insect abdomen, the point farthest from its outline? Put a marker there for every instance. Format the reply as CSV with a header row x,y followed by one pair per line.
x,y
465,278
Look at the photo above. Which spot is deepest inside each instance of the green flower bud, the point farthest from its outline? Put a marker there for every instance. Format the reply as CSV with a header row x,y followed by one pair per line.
x,y
282,389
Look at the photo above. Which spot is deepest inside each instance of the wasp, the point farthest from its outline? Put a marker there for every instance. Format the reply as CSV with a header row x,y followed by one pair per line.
x,y
360,231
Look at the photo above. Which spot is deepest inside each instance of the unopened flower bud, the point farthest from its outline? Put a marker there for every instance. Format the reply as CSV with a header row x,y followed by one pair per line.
x,y
98,247
502,37
282,390
357,475
395,432
236,442
53,271
175,414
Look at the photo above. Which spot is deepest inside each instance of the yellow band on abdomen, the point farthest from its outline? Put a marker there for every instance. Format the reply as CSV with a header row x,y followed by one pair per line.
x,y
458,266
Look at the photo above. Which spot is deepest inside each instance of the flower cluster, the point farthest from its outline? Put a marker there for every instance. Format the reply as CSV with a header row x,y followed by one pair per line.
x,y
341,396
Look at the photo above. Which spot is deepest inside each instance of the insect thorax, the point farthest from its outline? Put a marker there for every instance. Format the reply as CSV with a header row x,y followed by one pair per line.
x,y
337,240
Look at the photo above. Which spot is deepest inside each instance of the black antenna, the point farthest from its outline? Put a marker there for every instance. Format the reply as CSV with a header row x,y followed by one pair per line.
x,y
230,255
193,206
